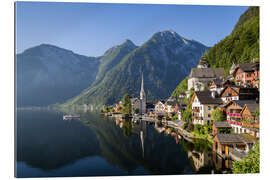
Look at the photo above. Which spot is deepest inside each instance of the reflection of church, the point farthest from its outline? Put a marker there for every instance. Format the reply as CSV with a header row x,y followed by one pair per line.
x,y
141,130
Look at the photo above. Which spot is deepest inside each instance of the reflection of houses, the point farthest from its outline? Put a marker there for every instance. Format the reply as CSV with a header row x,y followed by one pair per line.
x,y
239,93
202,75
203,103
221,127
199,159
247,74
220,163
234,117
226,144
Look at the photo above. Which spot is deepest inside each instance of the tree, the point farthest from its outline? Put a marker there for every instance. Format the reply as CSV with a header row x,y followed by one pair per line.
x,y
137,110
250,163
187,114
127,104
218,115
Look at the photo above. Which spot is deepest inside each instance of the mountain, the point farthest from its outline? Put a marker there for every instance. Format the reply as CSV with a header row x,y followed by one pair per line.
x,y
112,57
242,45
164,60
48,74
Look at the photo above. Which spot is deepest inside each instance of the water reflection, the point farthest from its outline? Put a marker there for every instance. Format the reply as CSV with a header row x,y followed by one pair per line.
x,y
70,148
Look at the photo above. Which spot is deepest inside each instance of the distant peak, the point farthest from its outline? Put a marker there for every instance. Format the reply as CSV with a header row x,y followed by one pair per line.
x,y
128,42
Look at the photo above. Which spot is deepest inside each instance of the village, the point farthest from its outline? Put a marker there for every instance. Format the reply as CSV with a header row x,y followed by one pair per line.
x,y
224,110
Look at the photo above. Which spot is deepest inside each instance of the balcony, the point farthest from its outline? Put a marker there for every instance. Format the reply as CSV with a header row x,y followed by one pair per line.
x,y
234,122
234,114
197,118
197,110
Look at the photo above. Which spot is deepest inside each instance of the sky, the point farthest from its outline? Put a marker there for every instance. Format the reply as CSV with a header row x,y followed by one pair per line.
x,y
92,28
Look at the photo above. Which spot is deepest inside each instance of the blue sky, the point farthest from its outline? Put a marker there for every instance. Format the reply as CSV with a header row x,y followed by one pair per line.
x,y
90,29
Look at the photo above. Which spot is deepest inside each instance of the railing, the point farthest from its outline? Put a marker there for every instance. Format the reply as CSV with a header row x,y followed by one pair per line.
x,y
234,123
234,114
195,110
197,118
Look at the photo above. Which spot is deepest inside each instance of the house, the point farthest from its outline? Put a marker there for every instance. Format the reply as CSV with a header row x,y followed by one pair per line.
x,y
181,96
171,106
150,107
160,107
203,103
226,144
231,93
249,120
245,74
221,127
135,103
233,111
182,107
202,75
218,84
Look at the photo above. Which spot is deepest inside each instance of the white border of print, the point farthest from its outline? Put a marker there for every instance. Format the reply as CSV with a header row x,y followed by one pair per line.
x,y
7,86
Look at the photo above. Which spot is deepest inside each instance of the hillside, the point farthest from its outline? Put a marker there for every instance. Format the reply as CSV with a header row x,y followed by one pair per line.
x,y
165,59
48,74
242,45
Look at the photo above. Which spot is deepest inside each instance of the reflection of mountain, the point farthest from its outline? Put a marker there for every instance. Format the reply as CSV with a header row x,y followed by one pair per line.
x,y
47,142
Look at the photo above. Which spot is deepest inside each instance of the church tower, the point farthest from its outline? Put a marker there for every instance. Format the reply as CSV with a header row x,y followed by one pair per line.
x,y
142,99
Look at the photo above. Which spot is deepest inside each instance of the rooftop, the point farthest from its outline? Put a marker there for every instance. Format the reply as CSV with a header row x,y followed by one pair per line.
x,y
205,97
207,72
221,124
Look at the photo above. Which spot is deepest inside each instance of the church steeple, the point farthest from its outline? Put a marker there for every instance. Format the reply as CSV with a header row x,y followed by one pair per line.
x,y
142,93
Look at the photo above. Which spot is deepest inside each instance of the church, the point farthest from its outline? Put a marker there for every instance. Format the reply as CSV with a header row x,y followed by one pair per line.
x,y
142,99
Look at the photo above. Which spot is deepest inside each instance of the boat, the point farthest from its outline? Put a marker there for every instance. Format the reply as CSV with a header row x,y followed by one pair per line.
x,y
70,117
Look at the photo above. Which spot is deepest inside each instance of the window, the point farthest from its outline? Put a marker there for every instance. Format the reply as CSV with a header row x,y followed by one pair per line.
x,y
209,107
209,115
215,107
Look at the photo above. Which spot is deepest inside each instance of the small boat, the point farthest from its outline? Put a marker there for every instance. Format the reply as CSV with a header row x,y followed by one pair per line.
x,y
70,117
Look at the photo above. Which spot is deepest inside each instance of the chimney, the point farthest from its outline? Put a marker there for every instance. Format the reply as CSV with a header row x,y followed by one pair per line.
x,y
213,94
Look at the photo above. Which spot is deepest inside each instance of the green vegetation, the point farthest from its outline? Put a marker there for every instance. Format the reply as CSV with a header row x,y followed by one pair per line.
x,y
218,115
187,114
127,108
182,87
175,117
203,132
137,110
250,163
242,45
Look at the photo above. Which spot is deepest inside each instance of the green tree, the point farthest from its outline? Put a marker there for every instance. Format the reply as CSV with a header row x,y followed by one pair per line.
x,y
250,163
137,110
127,104
218,115
187,114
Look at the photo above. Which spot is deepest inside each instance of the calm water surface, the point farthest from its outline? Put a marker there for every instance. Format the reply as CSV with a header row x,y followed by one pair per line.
x,y
48,146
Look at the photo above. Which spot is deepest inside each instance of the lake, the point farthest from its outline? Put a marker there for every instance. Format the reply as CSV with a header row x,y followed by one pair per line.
x,y
48,146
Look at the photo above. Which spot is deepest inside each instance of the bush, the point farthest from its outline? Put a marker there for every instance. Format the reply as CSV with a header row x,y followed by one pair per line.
x,y
218,115
250,163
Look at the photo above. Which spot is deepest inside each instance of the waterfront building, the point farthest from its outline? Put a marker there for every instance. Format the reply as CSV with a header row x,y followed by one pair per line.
x,y
203,103
247,74
250,121
135,103
221,127
160,107
202,75
231,93
232,145
233,111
